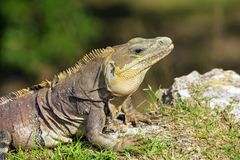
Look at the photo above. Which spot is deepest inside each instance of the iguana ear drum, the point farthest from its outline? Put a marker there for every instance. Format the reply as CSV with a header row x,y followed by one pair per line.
x,y
110,71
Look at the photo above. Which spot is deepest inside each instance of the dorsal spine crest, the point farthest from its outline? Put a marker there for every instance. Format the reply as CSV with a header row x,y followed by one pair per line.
x,y
96,53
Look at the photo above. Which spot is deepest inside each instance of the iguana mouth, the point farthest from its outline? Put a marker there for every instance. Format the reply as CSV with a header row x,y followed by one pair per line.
x,y
146,63
156,57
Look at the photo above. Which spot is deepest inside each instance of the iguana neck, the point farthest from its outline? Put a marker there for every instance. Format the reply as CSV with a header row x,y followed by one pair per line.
x,y
86,85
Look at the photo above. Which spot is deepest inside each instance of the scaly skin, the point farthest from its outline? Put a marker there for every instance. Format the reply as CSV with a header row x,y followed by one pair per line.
x,y
78,101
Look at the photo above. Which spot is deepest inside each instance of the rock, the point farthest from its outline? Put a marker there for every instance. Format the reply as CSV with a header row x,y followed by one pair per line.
x,y
217,89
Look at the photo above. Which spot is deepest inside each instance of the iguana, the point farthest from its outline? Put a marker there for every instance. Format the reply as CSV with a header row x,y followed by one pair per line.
x,y
78,100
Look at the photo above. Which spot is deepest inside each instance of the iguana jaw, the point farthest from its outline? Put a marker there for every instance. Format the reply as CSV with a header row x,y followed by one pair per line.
x,y
124,79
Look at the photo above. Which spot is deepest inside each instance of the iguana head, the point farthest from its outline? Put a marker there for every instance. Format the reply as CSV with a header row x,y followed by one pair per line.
x,y
126,67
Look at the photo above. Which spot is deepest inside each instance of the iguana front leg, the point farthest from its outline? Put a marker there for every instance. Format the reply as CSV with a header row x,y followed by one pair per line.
x,y
131,114
93,131
5,140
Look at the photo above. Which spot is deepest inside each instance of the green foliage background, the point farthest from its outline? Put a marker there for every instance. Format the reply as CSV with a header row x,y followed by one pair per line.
x,y
43,32
40,38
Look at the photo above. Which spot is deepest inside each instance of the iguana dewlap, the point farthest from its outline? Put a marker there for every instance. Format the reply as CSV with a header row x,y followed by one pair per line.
x,y
78,100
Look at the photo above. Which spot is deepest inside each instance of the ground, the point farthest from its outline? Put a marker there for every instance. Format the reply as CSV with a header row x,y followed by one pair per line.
x,y
182,131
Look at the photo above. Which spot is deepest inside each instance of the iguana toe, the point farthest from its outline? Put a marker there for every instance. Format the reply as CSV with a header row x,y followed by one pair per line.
x,y
127,141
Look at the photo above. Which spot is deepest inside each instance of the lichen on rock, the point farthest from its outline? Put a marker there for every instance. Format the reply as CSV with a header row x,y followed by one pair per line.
x,y
217,89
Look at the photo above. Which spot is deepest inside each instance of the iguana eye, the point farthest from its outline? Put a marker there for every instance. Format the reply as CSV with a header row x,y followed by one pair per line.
x,y
138,50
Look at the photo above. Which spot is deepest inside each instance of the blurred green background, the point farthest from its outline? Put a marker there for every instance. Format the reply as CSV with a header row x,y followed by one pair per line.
x,y
40,38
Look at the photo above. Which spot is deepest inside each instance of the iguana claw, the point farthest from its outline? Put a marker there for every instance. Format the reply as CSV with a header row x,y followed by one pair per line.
x,y
127,141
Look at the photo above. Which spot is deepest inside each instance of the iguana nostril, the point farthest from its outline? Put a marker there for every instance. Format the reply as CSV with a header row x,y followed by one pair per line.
x,y
164,40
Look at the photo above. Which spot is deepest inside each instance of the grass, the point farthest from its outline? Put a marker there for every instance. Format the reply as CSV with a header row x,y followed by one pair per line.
x,y
187,132
76,150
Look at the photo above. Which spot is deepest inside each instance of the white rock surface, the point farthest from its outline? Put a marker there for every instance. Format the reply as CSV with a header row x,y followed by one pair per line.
x,y
216,88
